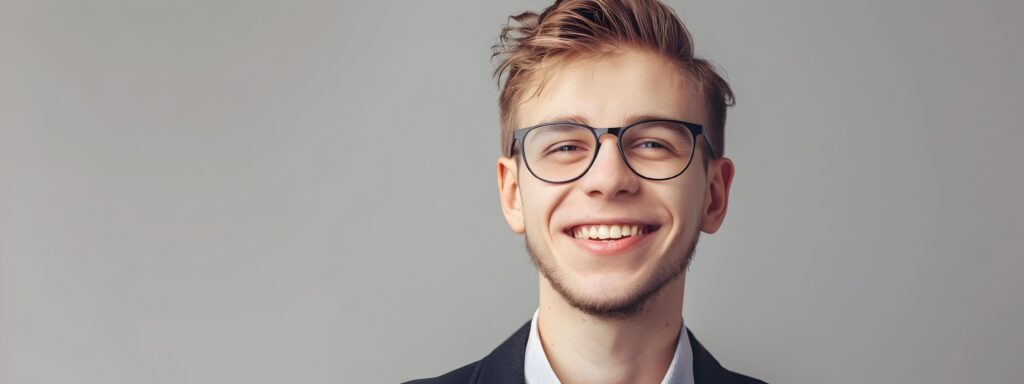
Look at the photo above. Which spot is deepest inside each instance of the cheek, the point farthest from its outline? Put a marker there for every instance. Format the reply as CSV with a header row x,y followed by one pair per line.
x,y
685,201
538,205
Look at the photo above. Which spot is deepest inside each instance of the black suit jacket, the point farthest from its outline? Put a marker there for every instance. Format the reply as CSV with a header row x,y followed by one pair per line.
x,y
505,366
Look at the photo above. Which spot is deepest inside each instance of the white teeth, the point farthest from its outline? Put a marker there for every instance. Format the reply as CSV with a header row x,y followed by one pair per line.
x,y
615,232
609,231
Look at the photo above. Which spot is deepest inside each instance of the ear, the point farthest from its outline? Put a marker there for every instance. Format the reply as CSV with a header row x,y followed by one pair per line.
x,y
508,188
716,195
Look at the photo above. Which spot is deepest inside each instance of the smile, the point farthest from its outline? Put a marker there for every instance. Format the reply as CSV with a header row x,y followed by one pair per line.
x,y
610,239
609,231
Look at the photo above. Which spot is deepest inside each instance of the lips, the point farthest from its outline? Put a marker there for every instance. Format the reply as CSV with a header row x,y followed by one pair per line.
x,y
610,238
609,231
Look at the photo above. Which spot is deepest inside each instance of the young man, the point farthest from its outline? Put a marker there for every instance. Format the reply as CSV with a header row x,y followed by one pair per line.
x,y
611,214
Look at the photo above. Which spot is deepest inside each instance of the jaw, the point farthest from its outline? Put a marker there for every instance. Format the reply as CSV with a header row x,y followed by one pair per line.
x,y
613,295
608,267
616,287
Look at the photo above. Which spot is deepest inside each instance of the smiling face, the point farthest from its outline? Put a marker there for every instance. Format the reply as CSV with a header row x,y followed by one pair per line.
x,y
610,240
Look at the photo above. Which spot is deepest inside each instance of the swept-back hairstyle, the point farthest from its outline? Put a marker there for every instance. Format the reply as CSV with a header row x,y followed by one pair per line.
x,y
572,29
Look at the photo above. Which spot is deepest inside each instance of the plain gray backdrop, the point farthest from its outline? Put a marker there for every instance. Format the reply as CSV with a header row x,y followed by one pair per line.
x,y
304,191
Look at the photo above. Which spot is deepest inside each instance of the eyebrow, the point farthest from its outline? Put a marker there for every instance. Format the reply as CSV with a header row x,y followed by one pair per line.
x,y
630,119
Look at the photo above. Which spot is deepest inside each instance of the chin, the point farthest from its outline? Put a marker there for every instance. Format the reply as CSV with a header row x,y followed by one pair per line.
x,y
625,303
610,294
605,287
613,295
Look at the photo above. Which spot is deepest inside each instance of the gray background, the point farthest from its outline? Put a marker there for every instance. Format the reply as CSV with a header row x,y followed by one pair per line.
x,y
269,192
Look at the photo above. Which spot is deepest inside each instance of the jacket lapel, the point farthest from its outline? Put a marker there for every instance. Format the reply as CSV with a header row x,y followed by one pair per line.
x,y
504,365
706,370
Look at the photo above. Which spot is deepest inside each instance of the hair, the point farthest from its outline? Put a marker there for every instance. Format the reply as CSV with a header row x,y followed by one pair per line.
x,y
531,44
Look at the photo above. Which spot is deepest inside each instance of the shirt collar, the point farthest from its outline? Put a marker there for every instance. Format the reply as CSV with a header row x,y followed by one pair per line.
x,y
538,370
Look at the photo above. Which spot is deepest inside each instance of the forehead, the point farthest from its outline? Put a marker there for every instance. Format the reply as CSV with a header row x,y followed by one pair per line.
x,y
611,90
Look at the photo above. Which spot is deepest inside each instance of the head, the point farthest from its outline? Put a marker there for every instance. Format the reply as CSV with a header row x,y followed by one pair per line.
x,y
608,63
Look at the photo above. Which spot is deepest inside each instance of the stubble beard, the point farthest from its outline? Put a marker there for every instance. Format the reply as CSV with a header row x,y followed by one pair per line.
x,y
634,303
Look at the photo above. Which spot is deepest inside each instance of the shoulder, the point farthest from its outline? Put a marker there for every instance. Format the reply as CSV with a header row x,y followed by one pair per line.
x,y
466,374
706,369
503,365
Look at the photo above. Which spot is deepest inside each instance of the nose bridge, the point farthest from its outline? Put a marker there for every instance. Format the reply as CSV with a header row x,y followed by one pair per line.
x,y
609,142
609,173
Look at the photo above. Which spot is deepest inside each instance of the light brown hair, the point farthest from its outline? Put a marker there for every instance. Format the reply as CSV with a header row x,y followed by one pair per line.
x,y
573,29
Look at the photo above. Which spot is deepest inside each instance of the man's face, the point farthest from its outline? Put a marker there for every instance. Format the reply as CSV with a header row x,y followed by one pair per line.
x,y
613,277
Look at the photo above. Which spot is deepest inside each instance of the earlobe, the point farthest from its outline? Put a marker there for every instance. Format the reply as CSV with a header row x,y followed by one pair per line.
x,y
508,190
716,195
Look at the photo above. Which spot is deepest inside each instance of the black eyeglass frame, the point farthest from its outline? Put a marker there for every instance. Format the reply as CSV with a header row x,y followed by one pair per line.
x,y
519,135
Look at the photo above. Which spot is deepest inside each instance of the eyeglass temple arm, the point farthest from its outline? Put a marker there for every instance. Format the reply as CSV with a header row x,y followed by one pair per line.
x,y
512,147
710,147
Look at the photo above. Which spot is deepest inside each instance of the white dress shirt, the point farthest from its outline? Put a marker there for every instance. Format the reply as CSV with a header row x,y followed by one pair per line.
x,y
538,369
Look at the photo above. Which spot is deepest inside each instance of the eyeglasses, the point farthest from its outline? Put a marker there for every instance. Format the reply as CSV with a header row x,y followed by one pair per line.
x,y
562,152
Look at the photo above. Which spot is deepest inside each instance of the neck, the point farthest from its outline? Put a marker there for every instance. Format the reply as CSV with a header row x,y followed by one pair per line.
x,y
587,349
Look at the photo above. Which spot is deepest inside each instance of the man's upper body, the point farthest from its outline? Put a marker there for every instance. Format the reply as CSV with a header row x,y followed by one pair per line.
x,y
613,166
521,360
538,369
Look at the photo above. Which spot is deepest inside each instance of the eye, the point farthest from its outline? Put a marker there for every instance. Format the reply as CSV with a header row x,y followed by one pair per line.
x,y
650,145
564,148
652,149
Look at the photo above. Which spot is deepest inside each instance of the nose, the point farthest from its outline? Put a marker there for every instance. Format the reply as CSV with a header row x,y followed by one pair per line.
x,y
609,175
